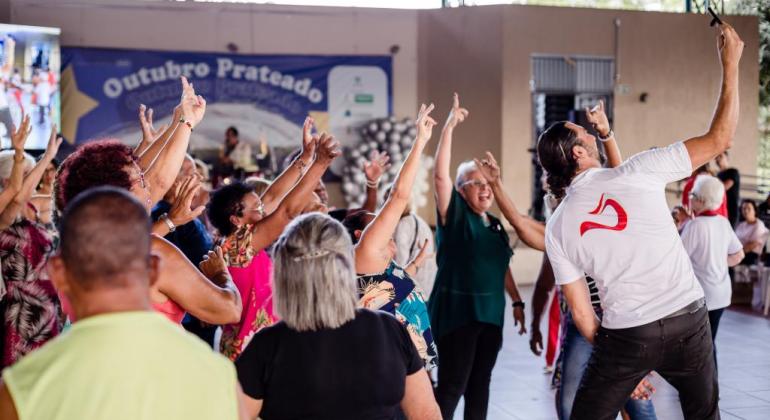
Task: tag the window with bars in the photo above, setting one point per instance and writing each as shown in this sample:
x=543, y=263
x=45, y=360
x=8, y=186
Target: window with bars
x=572, y=74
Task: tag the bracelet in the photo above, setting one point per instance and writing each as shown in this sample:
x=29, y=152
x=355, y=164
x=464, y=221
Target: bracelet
x=301, y=163
x=171, y=226
x=518, y=304
x=182, y=120
x=373, y=184
x=610, y=135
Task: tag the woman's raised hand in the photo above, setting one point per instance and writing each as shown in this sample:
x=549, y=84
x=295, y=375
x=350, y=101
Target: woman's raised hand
x=192, y=106
x=20, y=134
x=214, y=266
x=149, y=133
x=377, y=164
x=181, y=212
x=327, y=148
x=456, y=114
x=54, y=141
x=488, y=168
x=425, y=123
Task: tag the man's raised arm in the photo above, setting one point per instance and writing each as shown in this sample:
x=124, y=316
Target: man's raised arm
x=720, y=135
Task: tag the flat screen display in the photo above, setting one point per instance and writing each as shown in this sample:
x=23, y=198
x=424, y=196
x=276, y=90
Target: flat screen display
x=30, y=62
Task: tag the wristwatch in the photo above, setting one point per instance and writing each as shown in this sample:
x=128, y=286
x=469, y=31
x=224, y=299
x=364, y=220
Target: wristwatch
x=171, y=226
x=610, y=135
x=518, y=304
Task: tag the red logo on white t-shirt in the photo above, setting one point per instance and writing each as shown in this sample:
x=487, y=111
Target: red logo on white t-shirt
x=622, y=216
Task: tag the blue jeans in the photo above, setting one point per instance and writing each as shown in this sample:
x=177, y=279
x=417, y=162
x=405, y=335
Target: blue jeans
x=577, y=351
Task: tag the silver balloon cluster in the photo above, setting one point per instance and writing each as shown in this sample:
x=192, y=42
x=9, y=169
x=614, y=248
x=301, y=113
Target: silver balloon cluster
x=384, y=135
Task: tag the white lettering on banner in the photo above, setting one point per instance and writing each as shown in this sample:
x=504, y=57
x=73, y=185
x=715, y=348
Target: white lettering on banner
x=224, y=65
x=173, y=70
x=226, y=69
x=302, y=87
x=143, y=76
x=158, y=74
x=202, y=70
x=315, y=96
x=288, y=82
x=275, y=78
x=112, y=88
x=263, y=71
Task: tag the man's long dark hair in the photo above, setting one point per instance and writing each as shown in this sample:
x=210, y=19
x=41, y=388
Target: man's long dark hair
x=554, y=149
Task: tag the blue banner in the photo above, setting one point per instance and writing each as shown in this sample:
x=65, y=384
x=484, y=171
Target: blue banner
x=266, y=96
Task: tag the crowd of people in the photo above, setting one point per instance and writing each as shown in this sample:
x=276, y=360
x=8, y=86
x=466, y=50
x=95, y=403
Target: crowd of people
x=347, y=313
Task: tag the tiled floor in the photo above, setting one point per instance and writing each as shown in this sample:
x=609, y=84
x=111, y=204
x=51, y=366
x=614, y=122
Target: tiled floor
x=521, y=391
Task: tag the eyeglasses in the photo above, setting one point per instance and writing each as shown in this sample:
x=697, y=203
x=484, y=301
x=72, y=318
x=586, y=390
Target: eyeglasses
x=475, y=183
x=693, y=196
x=259, y=208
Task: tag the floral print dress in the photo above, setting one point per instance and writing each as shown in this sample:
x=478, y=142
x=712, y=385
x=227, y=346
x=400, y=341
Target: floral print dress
x=31, y=312
x=252, y=274
x=393, y=291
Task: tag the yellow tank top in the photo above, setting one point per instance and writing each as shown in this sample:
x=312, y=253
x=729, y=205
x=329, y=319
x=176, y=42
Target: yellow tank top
x=123, y=366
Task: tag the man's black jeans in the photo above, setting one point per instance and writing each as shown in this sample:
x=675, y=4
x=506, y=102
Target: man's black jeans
x=680, y=349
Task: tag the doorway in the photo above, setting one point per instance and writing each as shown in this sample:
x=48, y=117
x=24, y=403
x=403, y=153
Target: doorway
x=562, y=87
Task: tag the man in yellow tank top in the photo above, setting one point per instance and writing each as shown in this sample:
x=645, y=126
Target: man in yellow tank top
x=120, y=360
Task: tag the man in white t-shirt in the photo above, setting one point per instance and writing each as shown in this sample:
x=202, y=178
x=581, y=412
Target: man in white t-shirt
x=614, y=225
x=712, y=246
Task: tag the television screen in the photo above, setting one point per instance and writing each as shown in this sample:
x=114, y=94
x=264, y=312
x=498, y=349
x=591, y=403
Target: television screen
x=30, y=62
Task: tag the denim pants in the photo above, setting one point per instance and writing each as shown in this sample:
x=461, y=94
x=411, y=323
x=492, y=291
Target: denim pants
x=577, y=352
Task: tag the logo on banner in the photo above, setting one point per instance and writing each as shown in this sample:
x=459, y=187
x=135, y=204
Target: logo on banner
x=599, y=210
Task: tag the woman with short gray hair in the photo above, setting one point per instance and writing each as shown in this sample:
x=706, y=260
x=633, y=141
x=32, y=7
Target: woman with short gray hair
x=325, y=358
x=313, y=268
x=467, y=304
x=712, y=246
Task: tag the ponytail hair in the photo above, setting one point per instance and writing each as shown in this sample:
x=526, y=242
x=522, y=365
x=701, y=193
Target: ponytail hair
x=554, y=150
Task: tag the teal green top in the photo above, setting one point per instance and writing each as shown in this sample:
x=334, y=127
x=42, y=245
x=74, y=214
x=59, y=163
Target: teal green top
x=472, y=258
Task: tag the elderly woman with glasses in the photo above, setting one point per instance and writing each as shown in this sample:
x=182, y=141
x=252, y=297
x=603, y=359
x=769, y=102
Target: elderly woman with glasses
x=249, y=224
x=148, y=172
x=467, y=304
x=326, y=358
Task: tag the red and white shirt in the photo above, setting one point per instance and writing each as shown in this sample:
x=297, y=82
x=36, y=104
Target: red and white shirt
x=615, y=226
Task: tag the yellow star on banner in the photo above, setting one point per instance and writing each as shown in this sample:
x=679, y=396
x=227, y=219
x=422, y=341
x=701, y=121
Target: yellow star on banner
x=75, y=104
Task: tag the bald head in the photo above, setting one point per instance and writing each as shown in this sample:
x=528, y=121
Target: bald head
x=105, y=238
